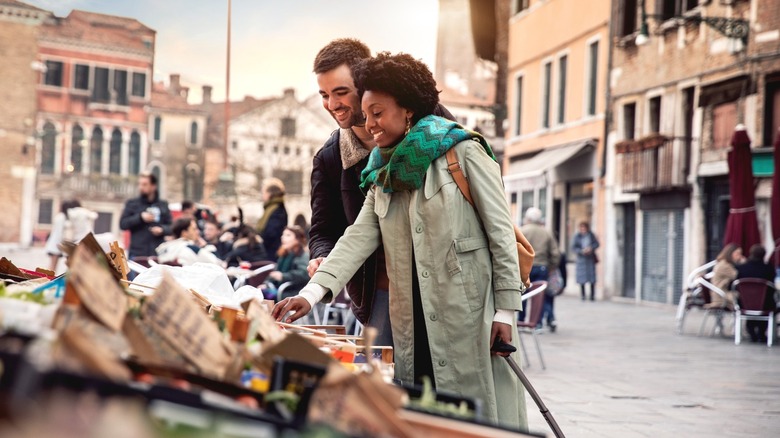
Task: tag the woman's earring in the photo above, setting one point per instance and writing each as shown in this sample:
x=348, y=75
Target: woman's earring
x=408, y=126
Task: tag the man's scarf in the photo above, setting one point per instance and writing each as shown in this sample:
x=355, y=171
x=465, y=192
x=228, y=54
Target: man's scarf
x=403, y=166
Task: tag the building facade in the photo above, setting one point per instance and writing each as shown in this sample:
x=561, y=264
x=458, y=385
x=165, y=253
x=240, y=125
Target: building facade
x=177, y=132
x=91, y=121
x=19, y=27
x=557, y=82
x=685, y=73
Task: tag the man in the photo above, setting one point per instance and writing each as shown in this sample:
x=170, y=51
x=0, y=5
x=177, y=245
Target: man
x=336, y=198
x=546, y=257
x=147, y=217
x=188, y=208
x=187, y=247
x=222, y=242
x=755, y=267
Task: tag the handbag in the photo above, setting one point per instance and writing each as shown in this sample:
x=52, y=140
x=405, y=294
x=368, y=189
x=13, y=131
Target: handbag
x=525, y=252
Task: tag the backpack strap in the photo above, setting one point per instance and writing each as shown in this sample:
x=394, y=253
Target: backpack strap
x=453, y=167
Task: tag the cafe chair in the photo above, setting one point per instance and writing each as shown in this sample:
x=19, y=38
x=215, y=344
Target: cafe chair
x=533, y=296
x=693, y=295
x=751, y=304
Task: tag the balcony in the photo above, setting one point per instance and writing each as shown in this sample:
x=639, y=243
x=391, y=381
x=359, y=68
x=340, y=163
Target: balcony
x=653, y=164
x=101, y=186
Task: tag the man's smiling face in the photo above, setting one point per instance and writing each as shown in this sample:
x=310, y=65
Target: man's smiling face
x=339, y=96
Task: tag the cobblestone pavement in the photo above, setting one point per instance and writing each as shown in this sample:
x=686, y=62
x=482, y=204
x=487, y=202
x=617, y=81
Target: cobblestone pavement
x=620, y=370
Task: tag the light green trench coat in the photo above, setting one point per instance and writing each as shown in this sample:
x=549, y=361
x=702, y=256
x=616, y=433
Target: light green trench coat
x=467, y=268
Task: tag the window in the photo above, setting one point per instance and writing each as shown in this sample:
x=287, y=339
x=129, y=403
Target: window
x=234, y=145
x=157, y=128
x=260, y=147
x=671, y=8
x=546, y=100
x=77, y=148
x=526, y=200
x=134, y=154
x=627, y=22
x=53, y=75
x=562, y=66
x=629, y=121
x=771, y=110
x=45, y=211
x=194, y=133
x=288, y=127
x=521, y=5
x=120, y=87
x=292, y=179
x=724, y=119
x=519, y=106
x=115, y=152
x=275, y=149
x=542, y=204
x=96, y=150
x=192, y=182
x=139, y=85
x=81, y=77
x=48, y=147
x=100, y=91
x=593, y=76
x=655, y=114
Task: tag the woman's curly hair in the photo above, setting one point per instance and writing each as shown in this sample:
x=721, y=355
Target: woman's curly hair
x=408, y=80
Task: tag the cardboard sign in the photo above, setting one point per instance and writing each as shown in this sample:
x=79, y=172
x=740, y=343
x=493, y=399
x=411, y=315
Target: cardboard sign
x=95, y=357
x=176, y=318
x=96, y=288
x=92, y=246
x=118, y=259
x=262, y=323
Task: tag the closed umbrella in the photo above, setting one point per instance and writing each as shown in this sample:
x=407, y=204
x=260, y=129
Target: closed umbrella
x=742, y=223
x=776, y=200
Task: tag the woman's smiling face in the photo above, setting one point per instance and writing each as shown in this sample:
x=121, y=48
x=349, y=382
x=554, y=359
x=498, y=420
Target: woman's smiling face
x=385, y=119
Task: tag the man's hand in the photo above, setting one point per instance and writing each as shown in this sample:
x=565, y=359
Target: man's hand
x=156, y=230
x=147, y=217
x=298, y=305
x=500, y=330
x=314, y=264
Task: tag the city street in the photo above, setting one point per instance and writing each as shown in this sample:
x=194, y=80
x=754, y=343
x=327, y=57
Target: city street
x=619, y=370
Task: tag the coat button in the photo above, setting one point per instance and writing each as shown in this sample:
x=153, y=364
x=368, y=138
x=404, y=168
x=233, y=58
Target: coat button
x=442, y=363
x=434, y=317
x=419, y=228
x=425, y=274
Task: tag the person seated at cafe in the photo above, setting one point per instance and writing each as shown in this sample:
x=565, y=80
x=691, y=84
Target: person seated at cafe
x=221, y=243
x=293, y=258
x=248, y=247
x=755, y=267
x=187, y=247
x=724, y=273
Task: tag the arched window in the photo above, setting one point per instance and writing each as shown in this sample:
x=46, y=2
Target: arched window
x=134, y=154
x=76, y=148
x=96, y=150
x=157, y=134
x=192, y=182
x=194, y=133
x=48, y=145
x=115, y=152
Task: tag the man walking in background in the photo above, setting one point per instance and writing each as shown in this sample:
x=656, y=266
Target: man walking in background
x=147, y=217
x=546, y=258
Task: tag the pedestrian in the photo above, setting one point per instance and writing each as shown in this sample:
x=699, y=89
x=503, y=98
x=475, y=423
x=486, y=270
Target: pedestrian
x=756, y=267
x=71, y=224
x=187, y=247
x=274, y=219
x=293, y=258
x=453, y=269
x=584, y=245
x=546, y=259
x=147, y=217
x=336, y=198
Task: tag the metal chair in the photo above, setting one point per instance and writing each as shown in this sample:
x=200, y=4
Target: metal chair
x=751, y=306
x=535, y=296
x=341, y=307
x=718, y=311
x=692, y=294
x=257, y=274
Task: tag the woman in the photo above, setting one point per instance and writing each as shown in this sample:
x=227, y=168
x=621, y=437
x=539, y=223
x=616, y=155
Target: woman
x=248, y=247
x=274, y=219
x=71, y=224
x=584, y=245
x=723, y=274
x=292, y=262
x=454, y=287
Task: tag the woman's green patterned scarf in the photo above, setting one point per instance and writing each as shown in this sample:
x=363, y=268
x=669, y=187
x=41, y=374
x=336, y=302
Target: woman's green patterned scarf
x=403, y=166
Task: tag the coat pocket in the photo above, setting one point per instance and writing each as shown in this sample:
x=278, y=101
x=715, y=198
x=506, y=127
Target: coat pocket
x=381, y=203
x=466, y=252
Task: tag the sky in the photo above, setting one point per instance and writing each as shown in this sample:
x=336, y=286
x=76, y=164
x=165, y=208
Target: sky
x=274, y=42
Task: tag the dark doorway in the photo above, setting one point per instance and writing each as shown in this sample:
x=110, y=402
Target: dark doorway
x=716, y=211
x=627, y=248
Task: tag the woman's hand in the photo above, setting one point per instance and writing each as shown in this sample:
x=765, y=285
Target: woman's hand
x=498, y=330
x=276, y=276
x=298, y=305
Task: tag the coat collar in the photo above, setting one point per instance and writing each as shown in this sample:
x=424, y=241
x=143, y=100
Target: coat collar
x=352, y=151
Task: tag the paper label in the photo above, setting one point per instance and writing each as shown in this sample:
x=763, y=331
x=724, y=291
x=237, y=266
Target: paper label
x=96, y=288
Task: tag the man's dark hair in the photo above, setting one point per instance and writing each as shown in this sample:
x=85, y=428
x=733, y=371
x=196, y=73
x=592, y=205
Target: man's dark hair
x=186, y=205
x=408, y=80
x=180, y=225
x=341, y=51
x=150, y=176
x=757, y=252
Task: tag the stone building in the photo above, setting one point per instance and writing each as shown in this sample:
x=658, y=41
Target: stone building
x=685, y=73
x=91, y=120
x=19, y=27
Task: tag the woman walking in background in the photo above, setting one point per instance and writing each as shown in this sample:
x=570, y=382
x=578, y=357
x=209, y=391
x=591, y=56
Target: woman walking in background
x=71, y=224
x=584, y=245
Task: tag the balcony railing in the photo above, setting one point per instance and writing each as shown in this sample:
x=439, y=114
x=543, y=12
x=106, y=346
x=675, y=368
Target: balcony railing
x=653, y=164
x=101, y=186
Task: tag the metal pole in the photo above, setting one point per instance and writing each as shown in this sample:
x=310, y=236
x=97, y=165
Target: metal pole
x=227, y=94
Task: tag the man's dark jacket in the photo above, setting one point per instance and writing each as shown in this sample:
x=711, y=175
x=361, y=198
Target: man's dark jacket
x=142, y=241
